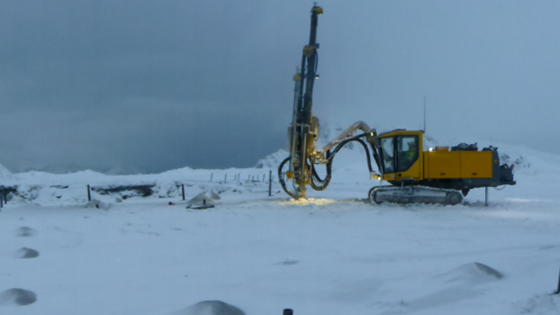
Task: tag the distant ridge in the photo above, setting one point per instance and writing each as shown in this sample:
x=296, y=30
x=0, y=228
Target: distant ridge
x=4, y=172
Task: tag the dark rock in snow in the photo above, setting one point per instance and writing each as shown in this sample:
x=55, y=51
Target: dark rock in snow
x=27, y=253
x=17, y=297
x=127, y=190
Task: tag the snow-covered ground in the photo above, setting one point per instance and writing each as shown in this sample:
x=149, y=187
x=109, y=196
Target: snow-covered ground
x=332, y=254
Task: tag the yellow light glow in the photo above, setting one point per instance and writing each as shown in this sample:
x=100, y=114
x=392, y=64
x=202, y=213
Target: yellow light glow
x=308, y=201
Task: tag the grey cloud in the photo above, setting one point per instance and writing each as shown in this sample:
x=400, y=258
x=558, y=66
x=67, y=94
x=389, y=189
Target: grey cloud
x=152, y=85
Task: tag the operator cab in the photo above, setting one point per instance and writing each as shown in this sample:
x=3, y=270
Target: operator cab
x=400, y=152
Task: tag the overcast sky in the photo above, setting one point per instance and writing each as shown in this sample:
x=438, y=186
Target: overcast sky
x=147, y=86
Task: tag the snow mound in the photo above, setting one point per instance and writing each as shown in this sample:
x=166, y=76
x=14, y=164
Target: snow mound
x=25, y=253
x=210, y=308
x=472, y=273
x=201, y=201
x=15, y=297
x=463, y=282
x=94, y=203
x=215, y=196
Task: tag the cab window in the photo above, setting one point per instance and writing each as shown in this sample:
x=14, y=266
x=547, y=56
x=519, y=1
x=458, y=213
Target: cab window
x=387, y=154
x=407, y=152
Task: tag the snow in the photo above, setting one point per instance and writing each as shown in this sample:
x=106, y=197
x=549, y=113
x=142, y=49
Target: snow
x=4, y=173
x=330, y=254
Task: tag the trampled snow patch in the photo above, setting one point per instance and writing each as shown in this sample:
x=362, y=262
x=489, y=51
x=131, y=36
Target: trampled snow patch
x=540, y=304
x=308, y=201
x=94, y=203
x=25, y=231
x=462, y=283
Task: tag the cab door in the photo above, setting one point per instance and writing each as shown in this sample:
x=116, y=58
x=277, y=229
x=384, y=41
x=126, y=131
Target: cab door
x=407, y=156
x=401, y=157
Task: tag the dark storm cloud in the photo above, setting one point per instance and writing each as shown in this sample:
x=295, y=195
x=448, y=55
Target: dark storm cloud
x=139, y=84
x=152, y=85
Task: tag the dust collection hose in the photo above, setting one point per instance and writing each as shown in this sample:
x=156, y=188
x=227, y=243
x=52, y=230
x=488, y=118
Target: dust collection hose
x=316, y=182
x=281, y=178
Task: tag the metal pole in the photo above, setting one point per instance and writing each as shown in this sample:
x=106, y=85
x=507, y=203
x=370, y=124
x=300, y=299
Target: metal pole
x=88, y=193
x=424, y=113
x=486, y=196
x=183, y=190
x=558, y=290
x=269, y=183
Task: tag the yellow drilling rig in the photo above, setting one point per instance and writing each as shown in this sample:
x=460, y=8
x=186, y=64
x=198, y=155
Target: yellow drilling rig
x=440, y=175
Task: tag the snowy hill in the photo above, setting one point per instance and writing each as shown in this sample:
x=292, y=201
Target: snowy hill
x=350, y=165
x=4, y=172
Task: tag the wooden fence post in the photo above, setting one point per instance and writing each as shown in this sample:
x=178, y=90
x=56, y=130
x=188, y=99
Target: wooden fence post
x=270, y=183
